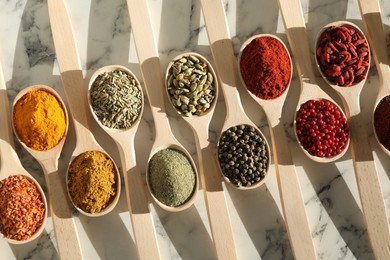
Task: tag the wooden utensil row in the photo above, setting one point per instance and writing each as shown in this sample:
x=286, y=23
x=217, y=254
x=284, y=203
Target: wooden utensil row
x=290, y=190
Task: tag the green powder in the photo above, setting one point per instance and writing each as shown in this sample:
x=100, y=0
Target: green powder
x=171, y=177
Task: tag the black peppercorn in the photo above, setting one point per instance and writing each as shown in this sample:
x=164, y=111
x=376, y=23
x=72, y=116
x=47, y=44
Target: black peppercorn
x=243, y=155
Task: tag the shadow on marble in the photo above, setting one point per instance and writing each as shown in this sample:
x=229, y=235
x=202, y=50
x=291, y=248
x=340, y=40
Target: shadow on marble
x=341, y=207
x=187, y=233
x=109, y=235
x=41, y=248
x=263, y=222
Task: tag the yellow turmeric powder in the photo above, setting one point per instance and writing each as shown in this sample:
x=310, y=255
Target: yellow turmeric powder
x=39, y=120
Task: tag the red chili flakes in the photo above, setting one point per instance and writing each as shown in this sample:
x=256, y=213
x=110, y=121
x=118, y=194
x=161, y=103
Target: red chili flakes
x=22, y=209
x=343, y=55
x=322, y=128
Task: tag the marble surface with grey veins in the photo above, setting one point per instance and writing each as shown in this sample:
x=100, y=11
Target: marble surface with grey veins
x=104, y=36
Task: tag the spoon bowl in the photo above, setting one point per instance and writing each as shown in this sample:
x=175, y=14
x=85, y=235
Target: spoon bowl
x=117, y=187
x=193, y=91
x=362, y=68
x=277, y=99
x=133, y=125
x=192, y=198
x=382, y=99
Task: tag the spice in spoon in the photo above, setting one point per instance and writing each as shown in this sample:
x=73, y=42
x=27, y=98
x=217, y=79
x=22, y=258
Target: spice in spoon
x=343, y=55
x=191, y=85
x=39, y=120
x=322, y=128
x=243, y=155
x=92, y=182
x=116, y=99
x=382, y=122
x=265, y=67
x=171, y=177
x=22, y=209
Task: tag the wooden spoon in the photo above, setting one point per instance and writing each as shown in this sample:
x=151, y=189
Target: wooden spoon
x=141, y=217
x=60, y=207
x=367, y=178
x=223, y=54
x=372, y=19
x=296, y=33
x=218, y=212
x=10, y=164
x=289, y=187
x=76, y=93
x=153, y=80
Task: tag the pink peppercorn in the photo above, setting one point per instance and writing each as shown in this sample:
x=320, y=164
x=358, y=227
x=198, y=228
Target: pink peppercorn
x=321, y=128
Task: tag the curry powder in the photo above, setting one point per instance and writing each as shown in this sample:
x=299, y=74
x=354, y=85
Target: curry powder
x=92, y=181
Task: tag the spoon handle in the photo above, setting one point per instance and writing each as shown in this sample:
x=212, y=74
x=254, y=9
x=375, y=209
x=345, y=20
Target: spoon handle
x=291, y=196
x=141, y=217
x=369, y=187
x=223, y=54
x=60, y=209
x=69, y=64
x=371, y=14
x=150, y=63
x=217, y=209
x=5, y=125
x=294, y=24
x=12, y=164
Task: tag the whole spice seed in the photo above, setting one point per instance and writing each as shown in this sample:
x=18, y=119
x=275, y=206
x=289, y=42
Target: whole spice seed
x=171, y=177
x=265, y=67
x=116, y=99
x=92, y=182
x=191, y=85
x=243, y=155
x=321, y=128
x=343, y=55
x=22, y=210
x=39, y=120
x=382, y=122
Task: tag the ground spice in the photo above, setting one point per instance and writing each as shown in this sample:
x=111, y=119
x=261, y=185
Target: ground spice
x=92, y=181
x=382, y=122
x=243, y=155
x=171, y=177
x=39, y=120
x=265, y=67
x=22, y=210
x=322, y=128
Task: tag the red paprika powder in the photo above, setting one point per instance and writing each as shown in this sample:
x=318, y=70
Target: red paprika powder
x=265, y=67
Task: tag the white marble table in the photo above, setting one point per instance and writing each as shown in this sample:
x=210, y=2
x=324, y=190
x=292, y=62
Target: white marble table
x=104, y=36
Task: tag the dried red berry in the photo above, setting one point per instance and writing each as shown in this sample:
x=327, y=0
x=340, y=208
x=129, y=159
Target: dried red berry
x=344, y=48
x=321, y=128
